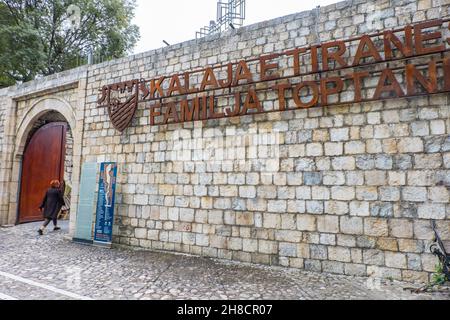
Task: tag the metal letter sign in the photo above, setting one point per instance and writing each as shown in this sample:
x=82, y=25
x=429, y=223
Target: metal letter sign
x=328, y=74
x=105, y=204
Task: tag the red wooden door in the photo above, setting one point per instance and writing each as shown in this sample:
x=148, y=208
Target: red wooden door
x=43, y=161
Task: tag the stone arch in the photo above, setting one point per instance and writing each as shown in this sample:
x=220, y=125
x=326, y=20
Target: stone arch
x=25, y=126
x=38, y=109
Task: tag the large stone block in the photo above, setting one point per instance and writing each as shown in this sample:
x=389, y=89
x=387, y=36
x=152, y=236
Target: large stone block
x=408, y=245
x=410, y=145
x=336, y=207
x=318, y=252
x=267, y=247
x=296, y=206
x=344, y=240
x=313, y=265
x=344, y=163
x=420, y=128
x=382, y=209
x=355, y=147
x=341, y=134
x=358, y=270
x=306, y=222
x=335, y=178
x=366, y=193
x=439, y=194
x=333, y=267
x=271, y=221
x=401, y=228
x=396, y=178
x=376, y=227
x=421, y=178
x=314, y=150
x=343, y=193
x=329, y=224
x=359, y=208
x=414, y=194
x=423, y=230
x=312, y=178
x=334, y=148
x=414, y=261
x=140, y=233
x=314, y=207
x=279, y=206
x=375, y=178
x=427, y=161
x=429, y=262
x=339, y=254
x=247, y=192
x=351, y=225
x=387, y=244
x=431, y=211
x=245, y=218
x=288, y=249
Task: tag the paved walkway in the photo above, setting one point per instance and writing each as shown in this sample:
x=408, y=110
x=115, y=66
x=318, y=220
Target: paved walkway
x=51, y=267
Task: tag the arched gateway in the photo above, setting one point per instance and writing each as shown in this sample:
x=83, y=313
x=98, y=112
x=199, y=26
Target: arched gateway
x=45, y=149
x=43, y=160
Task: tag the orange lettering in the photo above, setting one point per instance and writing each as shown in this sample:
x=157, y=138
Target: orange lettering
x=190, y=114
x=447, y=74
x=315, y=94
x=209, y=79
x=212, y=112
x=281, y=88
x=155, y=86
x=227, y=83
x=175, y=85
x=242, y=73
x=413, y=74
x=171, y=113
x=382, y=87
x=296, y=54
x=371, y=51
x=154, y=113
x=357, y=77
x=326, y=92
x=390, y=38
x=266, y=67
x=420, y=37
x=251, y=102
x=336, y=55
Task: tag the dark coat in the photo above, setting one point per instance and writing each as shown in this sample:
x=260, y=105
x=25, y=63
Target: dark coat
x=52, y=203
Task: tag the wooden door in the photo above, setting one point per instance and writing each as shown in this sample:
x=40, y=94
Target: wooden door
x=43, y=161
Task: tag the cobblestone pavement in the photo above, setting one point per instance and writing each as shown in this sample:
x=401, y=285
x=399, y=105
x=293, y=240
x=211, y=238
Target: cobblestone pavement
x=52, y=267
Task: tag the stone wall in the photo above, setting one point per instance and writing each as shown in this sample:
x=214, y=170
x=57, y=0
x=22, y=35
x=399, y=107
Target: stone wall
x=4, y=165
x=3, y=115
x=2, y=121
x=355, y=187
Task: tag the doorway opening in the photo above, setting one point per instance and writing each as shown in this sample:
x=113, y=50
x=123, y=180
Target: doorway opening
x=47, y=156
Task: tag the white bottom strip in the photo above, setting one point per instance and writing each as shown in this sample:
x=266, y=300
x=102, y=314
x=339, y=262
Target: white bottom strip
x=44, y=286
x=6, y=297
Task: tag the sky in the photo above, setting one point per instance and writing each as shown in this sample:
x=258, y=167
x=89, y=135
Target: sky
x=178, y=20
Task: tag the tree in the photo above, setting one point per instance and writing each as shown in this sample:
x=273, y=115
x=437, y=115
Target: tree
x=42, y=37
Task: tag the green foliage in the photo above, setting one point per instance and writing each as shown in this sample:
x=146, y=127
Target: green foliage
x=439, y=277
x=38, y=38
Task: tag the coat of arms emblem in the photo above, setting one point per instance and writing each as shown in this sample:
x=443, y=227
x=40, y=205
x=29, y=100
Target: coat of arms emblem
x=121, y=101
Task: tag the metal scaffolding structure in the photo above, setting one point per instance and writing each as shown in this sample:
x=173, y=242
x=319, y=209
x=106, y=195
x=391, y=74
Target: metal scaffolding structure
x=230, y=15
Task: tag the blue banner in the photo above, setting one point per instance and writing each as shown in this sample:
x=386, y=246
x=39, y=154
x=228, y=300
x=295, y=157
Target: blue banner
x=105, y=203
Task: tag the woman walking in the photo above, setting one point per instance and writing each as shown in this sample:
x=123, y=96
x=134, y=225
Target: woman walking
x=51, y=205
